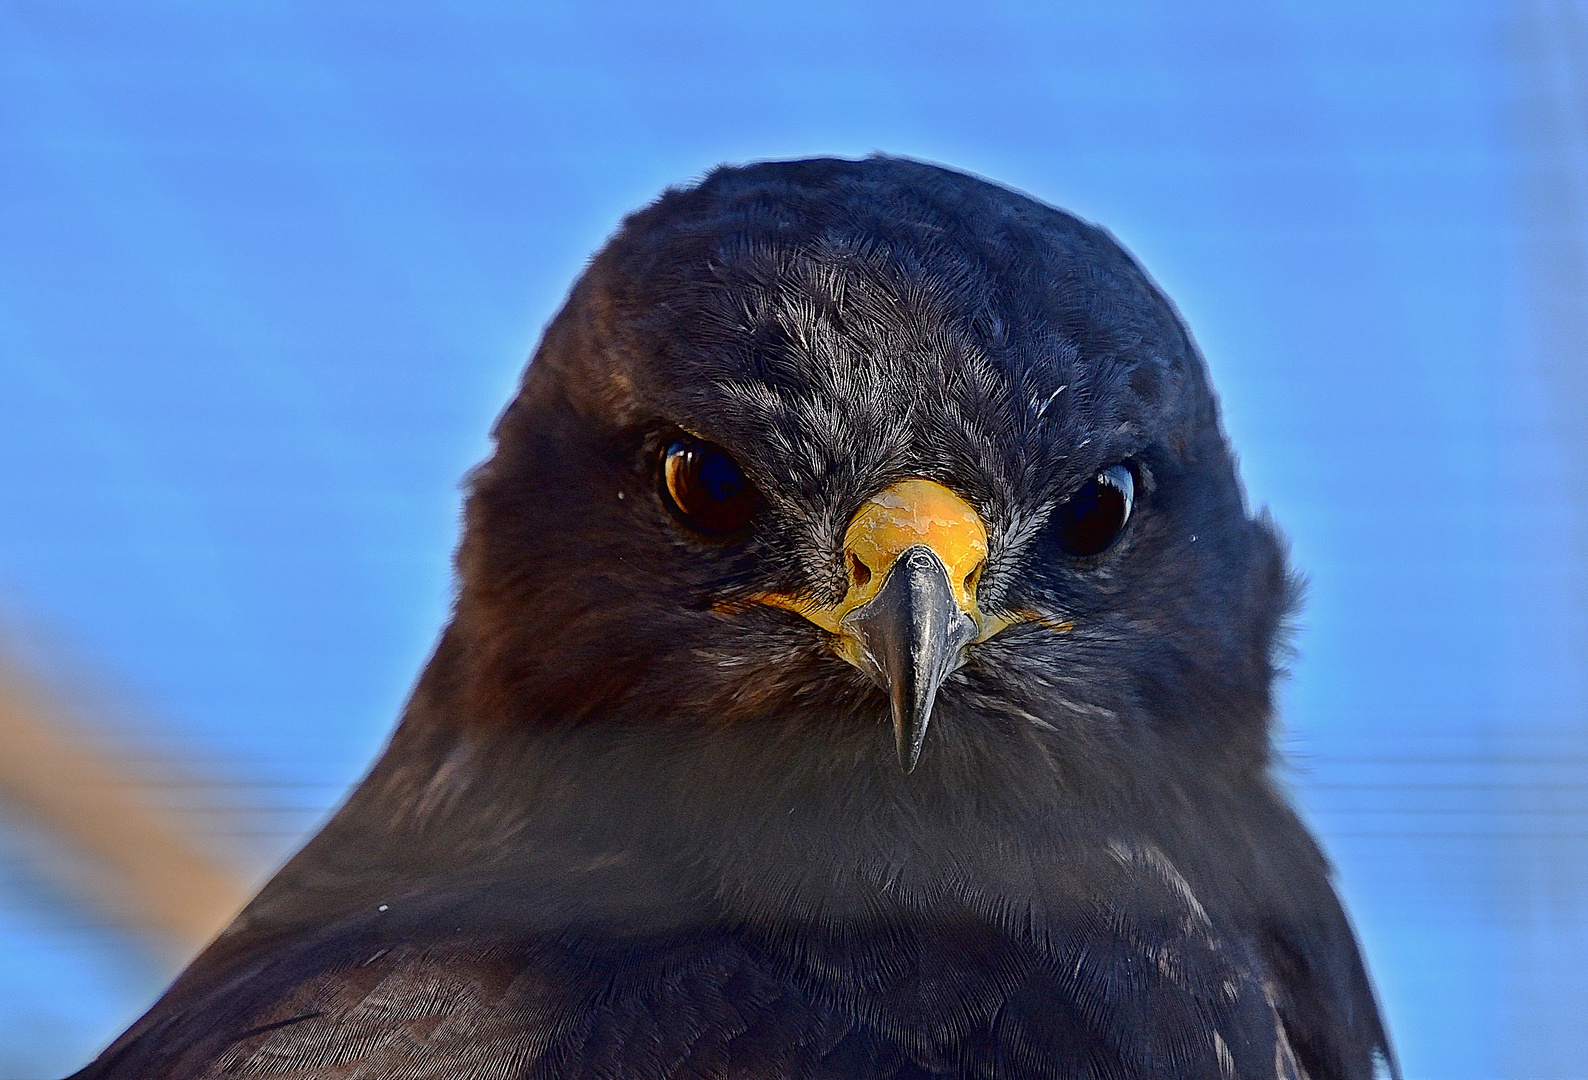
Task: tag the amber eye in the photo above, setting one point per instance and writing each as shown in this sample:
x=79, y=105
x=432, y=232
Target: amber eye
x=705, y=487
x=1088, y=522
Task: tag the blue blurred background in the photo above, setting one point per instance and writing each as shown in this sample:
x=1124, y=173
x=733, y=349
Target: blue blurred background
x=268, y=271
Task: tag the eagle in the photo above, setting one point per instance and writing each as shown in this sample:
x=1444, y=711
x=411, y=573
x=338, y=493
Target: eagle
x=861, y=666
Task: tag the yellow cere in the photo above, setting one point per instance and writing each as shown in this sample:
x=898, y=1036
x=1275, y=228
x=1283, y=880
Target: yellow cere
x=910, y=513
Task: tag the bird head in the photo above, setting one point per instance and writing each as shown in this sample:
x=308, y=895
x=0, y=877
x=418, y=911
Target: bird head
x=852, y=458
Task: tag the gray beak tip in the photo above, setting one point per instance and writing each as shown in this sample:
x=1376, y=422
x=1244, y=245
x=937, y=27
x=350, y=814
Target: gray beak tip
x=913, y=633
x=909, y=738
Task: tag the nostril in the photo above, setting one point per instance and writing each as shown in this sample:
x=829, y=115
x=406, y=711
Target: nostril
x=858, y=571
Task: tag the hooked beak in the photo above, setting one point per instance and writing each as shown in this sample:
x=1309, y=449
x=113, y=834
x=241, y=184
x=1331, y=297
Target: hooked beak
x=911, y=636
x=913, y=554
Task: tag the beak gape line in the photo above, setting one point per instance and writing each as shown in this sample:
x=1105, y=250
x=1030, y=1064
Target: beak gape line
x=914, y=554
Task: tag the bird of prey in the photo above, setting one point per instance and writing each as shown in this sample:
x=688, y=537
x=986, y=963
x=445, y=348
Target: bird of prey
x=861, y=667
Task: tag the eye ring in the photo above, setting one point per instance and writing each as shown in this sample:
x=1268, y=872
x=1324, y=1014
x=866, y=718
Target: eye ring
x=704, y=487
x=1091, y=521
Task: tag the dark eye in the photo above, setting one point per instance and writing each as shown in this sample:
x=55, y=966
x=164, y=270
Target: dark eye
x=1091, y=520
x=705, y=487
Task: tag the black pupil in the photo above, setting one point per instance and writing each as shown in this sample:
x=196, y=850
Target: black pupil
x=720, y=478
x=1092, y=518
x=706, y=488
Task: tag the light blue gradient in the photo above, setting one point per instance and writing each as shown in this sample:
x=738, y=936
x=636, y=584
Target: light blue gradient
x=268, y=271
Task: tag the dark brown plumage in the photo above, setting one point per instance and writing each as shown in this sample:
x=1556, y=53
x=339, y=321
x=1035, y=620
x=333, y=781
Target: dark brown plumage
x=645, y=816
